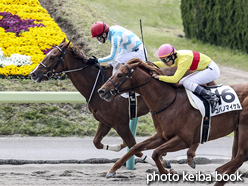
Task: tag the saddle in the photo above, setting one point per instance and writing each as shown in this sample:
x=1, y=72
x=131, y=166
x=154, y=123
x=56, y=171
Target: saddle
x=228, y=101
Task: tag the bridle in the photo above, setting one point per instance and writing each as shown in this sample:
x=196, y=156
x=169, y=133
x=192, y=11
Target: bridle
x=51, y=72
x=116, y=90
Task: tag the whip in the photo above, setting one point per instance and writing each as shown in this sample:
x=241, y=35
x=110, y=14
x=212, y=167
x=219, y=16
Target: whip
x=143, y=39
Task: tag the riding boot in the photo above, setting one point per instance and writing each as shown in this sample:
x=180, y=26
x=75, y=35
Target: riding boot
x=208, y=95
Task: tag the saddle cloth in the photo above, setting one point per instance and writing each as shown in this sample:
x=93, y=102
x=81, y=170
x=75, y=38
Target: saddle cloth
x=228, y=101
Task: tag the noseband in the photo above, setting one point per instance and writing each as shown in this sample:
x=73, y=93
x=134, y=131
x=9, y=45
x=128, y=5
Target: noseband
x=116, y=90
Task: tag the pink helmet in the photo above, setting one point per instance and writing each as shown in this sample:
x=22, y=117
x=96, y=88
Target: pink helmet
x=166, y=50
x=98, y=28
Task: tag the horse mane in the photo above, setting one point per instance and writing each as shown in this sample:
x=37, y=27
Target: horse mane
x=77, y=52
x=74, y=49
x=148, y=69
x=145, y=67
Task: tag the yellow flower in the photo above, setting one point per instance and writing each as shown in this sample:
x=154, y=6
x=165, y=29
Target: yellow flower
x=32, y=42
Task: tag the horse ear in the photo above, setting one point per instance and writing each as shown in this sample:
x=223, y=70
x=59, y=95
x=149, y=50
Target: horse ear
x=67, y=44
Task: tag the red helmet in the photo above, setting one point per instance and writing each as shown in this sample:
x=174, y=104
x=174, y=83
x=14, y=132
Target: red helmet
x=98, y=28
x=166, y=50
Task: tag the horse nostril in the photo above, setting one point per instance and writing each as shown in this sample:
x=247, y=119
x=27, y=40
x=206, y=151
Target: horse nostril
x=101, y=91
x=33, y=74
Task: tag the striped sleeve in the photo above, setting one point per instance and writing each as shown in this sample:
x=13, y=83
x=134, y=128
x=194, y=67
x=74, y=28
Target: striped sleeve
x=114, y=50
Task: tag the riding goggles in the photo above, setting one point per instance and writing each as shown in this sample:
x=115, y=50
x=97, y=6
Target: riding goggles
x=99, y=37
x=166, y=60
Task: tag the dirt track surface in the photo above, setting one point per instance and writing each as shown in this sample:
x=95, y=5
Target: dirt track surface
x=94, y=175
x=51, y=161
x=230, y=76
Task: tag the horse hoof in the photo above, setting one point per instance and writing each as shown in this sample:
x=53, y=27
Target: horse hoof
x=110, y=175
x=166, y=164
x=172, y=171
x=193, y=164
x=213, y=175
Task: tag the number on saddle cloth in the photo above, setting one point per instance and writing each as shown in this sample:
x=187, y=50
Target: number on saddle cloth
x=228, y=102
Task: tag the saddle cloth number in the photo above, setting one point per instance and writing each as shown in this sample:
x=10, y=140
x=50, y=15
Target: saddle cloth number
x=228, y=100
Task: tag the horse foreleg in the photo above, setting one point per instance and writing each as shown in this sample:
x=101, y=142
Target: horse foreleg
x=123, y=145
x=150, y=143
x=190, y=157
x=101, y=132
x=174, y=144
x=191, y=154
x=129, y=140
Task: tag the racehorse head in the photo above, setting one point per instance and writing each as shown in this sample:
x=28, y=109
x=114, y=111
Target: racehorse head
x=124, y=79
x=56, y=62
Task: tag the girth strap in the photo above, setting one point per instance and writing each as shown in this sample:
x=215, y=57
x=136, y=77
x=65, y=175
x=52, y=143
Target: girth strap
x=132, y=105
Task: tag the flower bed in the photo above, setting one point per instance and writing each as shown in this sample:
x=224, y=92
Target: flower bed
x=27, y=32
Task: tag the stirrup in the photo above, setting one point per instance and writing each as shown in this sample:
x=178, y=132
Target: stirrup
x=213, y=105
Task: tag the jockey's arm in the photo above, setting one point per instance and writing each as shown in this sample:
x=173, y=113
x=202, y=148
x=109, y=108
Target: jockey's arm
x=114, y=51
x=180, y=72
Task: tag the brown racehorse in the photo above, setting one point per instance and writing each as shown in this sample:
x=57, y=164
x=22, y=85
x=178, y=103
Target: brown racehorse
x=178, y=126
x=112, y=114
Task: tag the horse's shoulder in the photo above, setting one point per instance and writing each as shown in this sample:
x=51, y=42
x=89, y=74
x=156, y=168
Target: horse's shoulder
x=107, y=70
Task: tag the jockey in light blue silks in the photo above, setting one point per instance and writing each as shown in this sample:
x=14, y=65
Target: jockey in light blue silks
x=125, y=45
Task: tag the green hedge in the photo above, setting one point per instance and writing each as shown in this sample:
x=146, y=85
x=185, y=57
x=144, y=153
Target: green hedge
x=220, y=22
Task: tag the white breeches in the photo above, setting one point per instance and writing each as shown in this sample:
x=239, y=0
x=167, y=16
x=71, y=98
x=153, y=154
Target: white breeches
x=123, y=58
x=211, y=73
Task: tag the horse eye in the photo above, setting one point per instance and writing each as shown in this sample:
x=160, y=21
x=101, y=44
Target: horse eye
x=52, y=57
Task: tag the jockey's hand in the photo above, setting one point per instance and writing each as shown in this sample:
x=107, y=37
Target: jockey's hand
x=92, y=60
x=149, y=63
x=154, y=75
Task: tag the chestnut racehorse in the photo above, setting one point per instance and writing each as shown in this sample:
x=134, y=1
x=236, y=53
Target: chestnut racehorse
x=114, y=114
x=178, y=125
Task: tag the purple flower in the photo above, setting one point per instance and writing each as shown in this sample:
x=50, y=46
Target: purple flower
x=47, y=50
x=13, y=23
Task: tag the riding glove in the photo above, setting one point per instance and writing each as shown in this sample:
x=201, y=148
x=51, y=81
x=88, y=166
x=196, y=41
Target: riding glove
x=92, y=60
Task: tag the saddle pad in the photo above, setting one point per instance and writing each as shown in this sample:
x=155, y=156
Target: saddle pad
x=228, y=101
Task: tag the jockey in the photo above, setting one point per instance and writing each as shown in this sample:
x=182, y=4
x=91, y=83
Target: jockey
x=125, y=45
x=206, y=68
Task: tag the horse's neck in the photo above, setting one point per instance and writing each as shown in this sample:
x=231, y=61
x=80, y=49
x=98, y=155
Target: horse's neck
x=84, y=81
x=156, y=94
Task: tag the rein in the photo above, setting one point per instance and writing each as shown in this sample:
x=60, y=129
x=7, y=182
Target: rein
x=116, y=90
